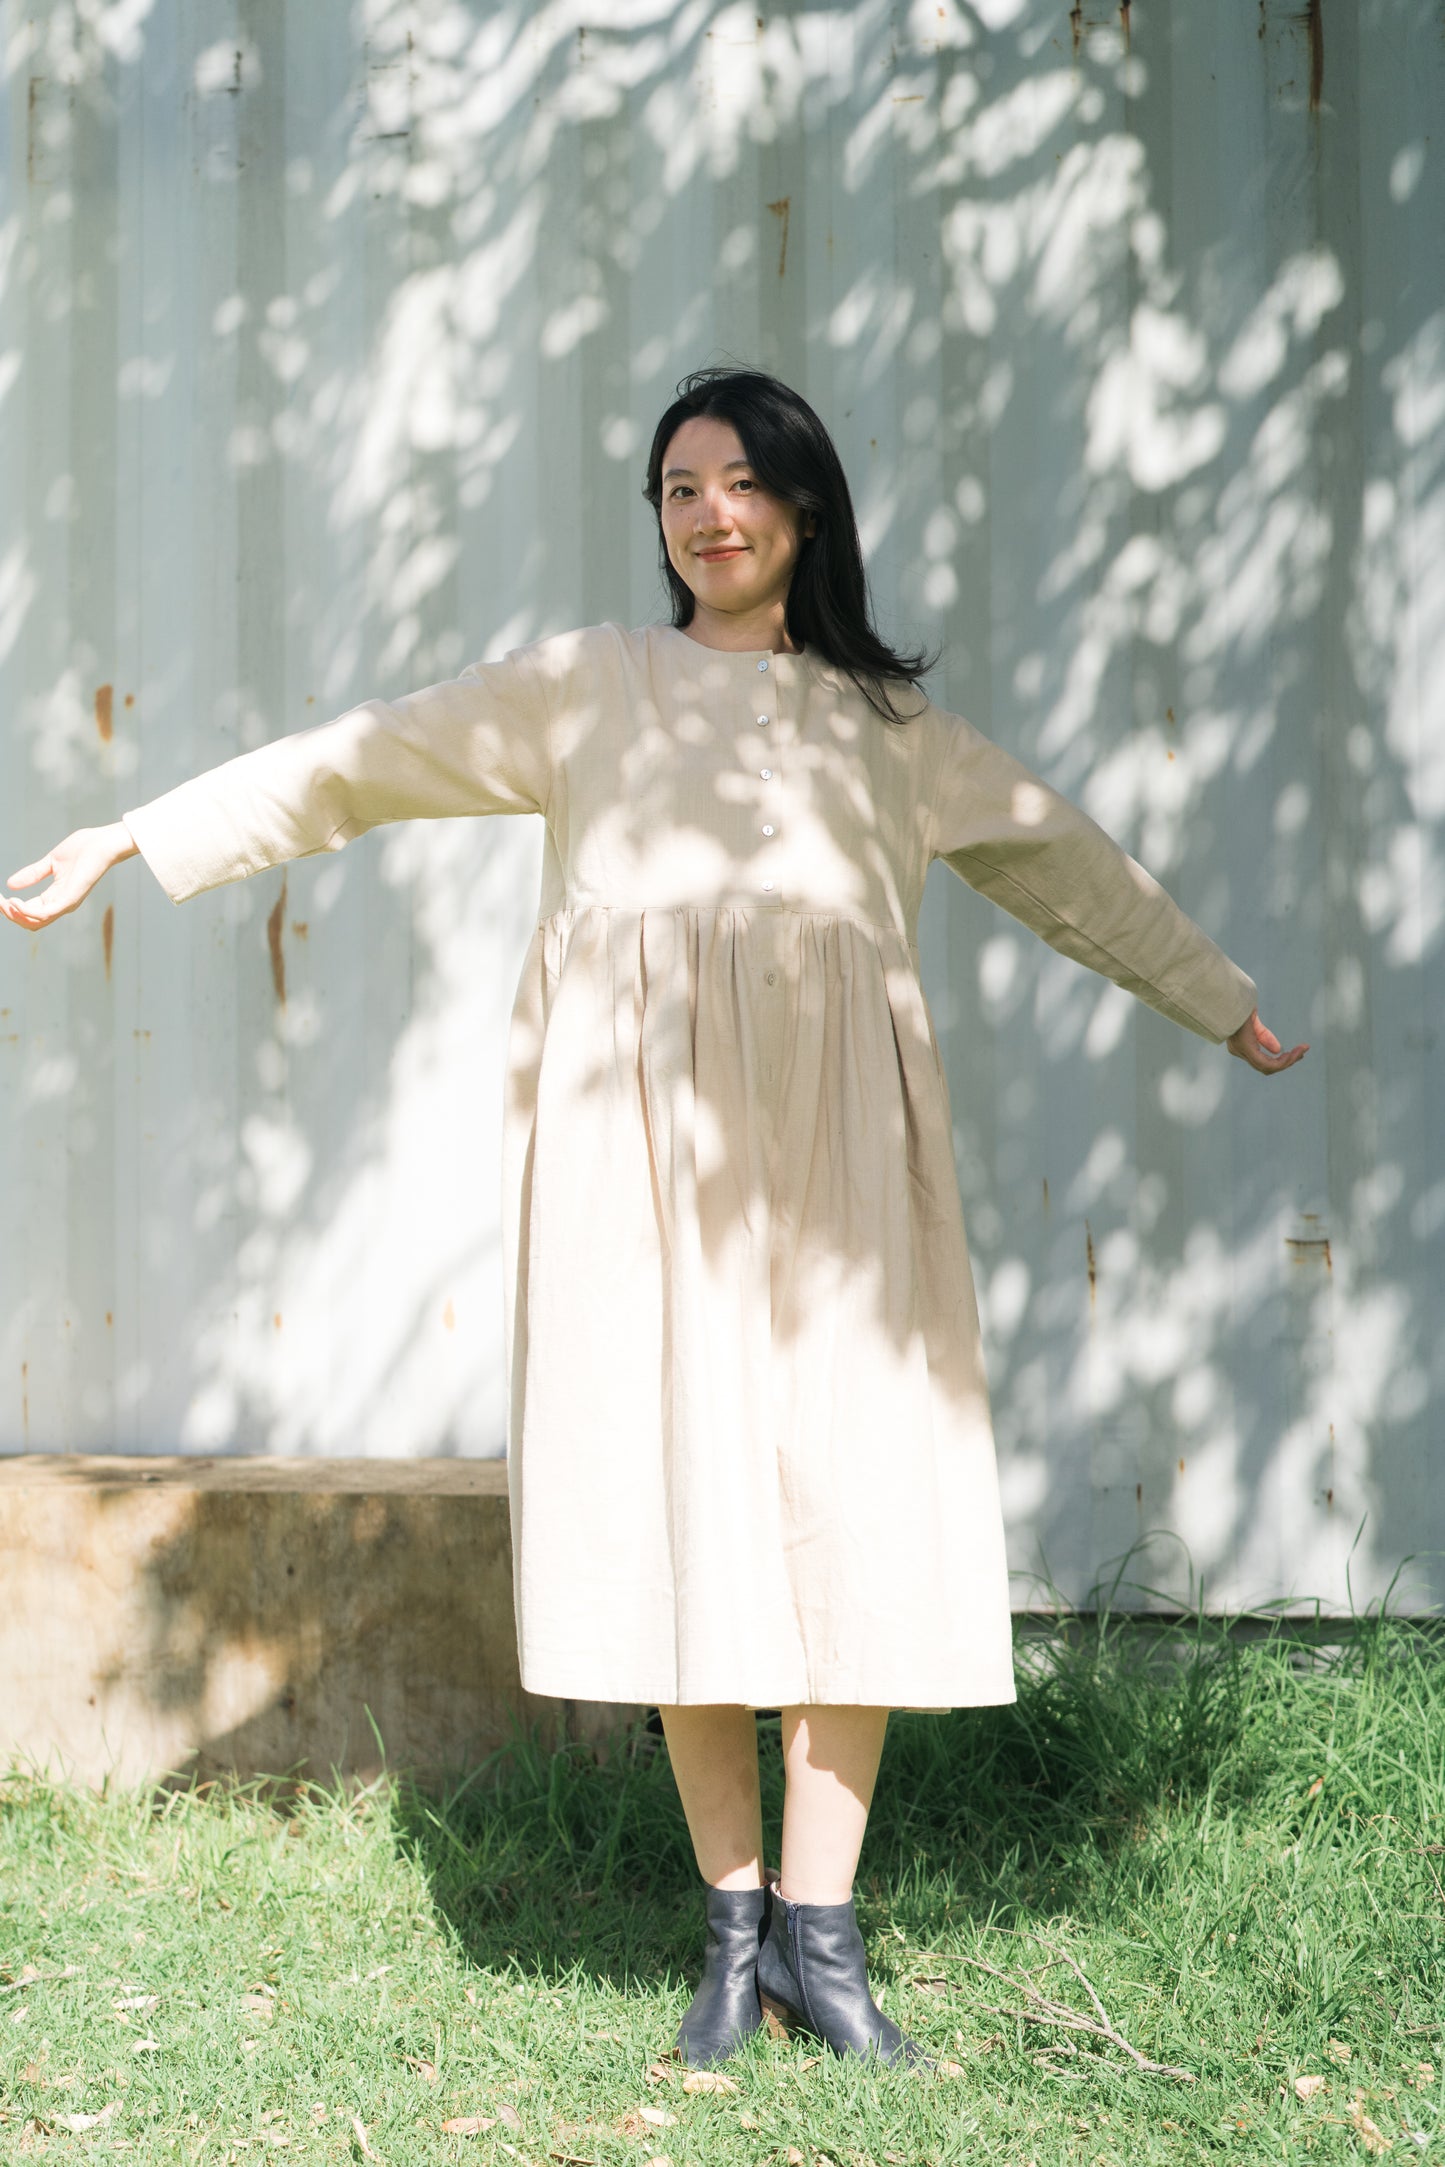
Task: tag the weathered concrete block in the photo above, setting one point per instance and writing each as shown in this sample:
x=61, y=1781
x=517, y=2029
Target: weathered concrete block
x=192, y=1616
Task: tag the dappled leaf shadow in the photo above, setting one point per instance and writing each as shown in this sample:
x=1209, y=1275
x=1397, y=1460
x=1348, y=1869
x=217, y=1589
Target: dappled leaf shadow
x=1139, y=425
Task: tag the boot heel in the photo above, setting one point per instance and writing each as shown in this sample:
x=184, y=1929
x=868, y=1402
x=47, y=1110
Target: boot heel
x=778, y=2017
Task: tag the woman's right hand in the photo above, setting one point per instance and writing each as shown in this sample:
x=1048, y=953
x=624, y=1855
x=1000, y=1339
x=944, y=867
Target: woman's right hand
x=73, y=868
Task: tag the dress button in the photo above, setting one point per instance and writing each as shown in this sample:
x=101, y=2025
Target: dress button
x=767, y=827
x=762, y=665
x=762, y=722
x=766, y=773
x=771, y=977
x=767, y=887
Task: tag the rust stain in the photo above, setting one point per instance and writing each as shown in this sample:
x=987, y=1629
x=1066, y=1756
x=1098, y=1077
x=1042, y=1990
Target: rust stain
x=110, y=1316
x=107, y=935
x=1046, y=1192
x=1181, y=1467
x=1076, y=26
x=449, y=1316
x=1138, y=1493
x=782, y=210
x=105, y=712
x=1315, y=1249
x=274, y=927
x=276, y=1321
x=1329, y=1497
x=1314, y=24
x=1124, y=22
x=31, y=102
x=130, y=699
x=301, y=927
x=1089, y=1253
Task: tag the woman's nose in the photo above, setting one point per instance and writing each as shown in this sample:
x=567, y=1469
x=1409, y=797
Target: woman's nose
x=711, y=511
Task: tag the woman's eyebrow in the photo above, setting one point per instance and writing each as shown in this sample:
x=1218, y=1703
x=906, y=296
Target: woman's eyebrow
x=690, y=473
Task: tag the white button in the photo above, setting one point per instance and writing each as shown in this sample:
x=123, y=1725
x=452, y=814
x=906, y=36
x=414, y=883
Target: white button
x=762, y=722
x=767, y=887
x=762, y=665
x=767, y=828
x=771, y=977
x=766, y=773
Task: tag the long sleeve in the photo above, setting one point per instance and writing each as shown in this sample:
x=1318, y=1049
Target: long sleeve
x=1008, y=834
x=476, y=744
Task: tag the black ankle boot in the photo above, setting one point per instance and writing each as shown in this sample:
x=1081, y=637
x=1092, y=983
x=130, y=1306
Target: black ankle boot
x=725, y=2010
x=813, y=1976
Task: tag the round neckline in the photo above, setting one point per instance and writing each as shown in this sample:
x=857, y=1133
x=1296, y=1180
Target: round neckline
x=772, y=655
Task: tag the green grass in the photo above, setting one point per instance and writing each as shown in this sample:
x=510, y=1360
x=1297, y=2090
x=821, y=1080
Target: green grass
x=1238, y=1843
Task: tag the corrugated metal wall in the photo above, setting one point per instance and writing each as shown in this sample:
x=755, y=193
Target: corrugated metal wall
x=330, y=339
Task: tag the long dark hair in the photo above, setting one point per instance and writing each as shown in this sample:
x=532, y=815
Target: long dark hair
x=794, y=457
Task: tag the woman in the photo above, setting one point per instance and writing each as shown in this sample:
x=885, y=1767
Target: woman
x=750, y=1458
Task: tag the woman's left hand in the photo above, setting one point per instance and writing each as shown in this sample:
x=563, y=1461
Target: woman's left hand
x=1255, y=1043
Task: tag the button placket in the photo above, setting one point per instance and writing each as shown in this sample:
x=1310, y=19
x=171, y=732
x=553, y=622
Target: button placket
x=763, y=720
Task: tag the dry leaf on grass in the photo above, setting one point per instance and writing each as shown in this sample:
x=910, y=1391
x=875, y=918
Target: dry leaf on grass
x=749, y=2121
x=1338, y=2051
x=425, y=2070
x=358, y=2128
x=659, y=2073
x=145, y=2046
x=1424, y=2075
x=88, y=2121
x=467, y=2125
x=470, y=1994
x=137, y=2001
x=1306, y=2087
x=708, y=2080
x=659, y=2159
x=1374, y=2137
x=794, y=2157
x=657, y=2117
x=811, y=2061
x=951, y=2069
x=507, y=2113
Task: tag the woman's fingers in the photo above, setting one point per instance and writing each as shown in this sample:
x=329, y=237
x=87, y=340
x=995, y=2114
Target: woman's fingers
x=1255, y=1043
x=29, y=874
x=75, y=866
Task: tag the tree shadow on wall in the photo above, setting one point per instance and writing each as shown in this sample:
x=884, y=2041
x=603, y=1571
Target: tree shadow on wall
x=1134, y=431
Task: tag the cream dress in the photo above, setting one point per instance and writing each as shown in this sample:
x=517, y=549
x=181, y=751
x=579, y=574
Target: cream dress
x=750, y=1455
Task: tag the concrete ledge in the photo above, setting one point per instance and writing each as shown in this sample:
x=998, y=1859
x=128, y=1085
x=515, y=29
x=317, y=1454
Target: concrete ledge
x=191, y=1617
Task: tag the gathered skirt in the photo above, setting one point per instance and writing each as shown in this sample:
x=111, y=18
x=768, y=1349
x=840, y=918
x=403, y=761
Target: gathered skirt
x=750, y=1453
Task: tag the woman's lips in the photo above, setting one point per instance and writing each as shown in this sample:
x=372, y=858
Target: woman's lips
x=712, y=556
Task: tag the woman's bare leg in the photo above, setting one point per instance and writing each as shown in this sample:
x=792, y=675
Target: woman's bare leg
x=714, y=1755
x=831, y=1757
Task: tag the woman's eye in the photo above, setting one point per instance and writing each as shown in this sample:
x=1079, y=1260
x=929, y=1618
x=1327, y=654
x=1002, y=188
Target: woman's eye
x=744, y=481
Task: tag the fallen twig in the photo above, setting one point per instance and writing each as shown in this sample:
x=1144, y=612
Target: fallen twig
x=38, y=1978
x=1058, y=2013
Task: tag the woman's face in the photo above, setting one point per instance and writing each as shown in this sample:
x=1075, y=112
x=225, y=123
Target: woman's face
x=732, y=542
